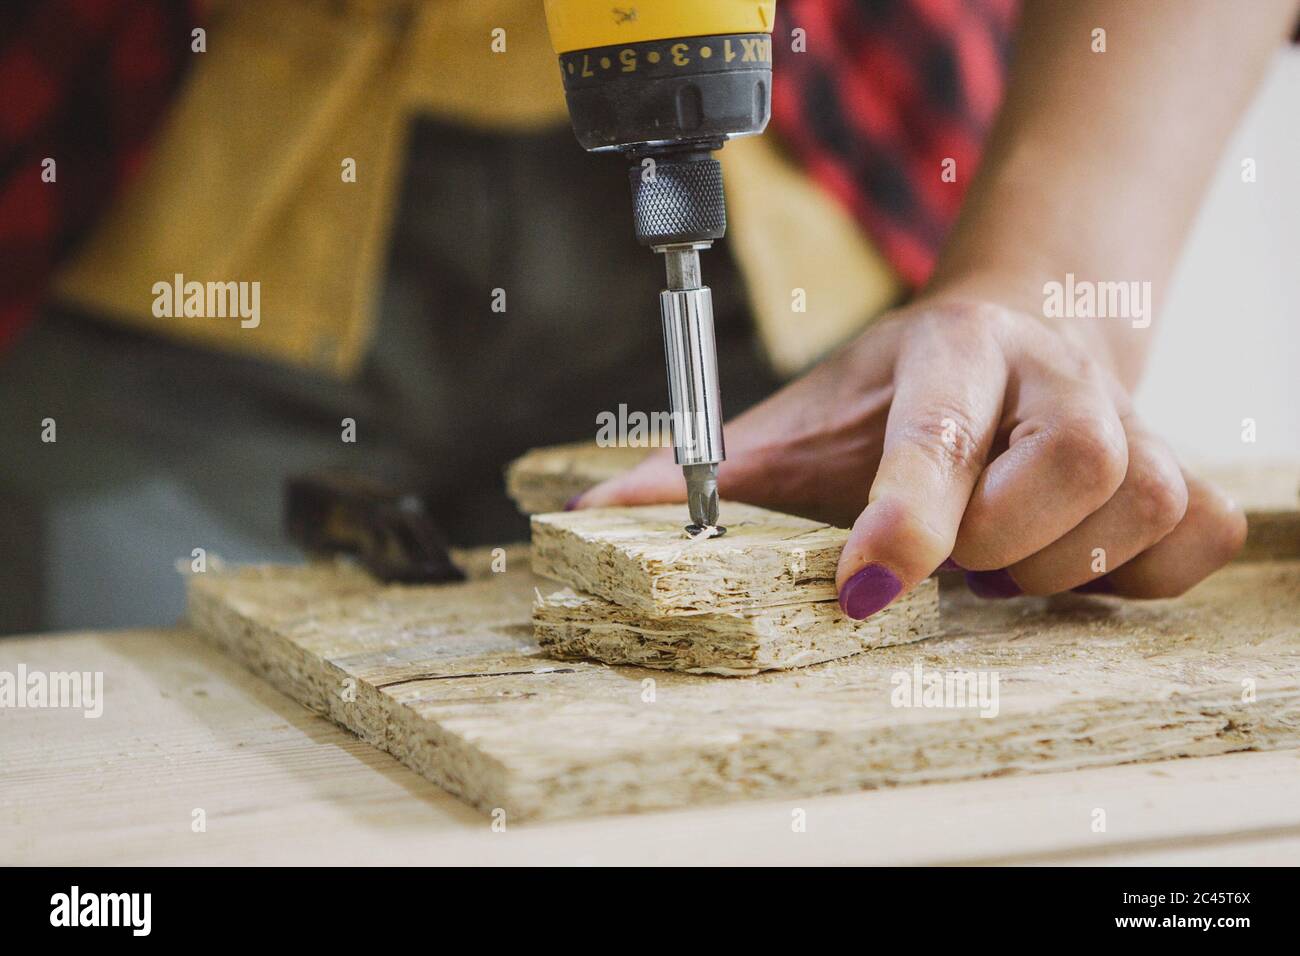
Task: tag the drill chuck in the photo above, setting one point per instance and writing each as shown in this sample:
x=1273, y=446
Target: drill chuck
x=678, y=199
x=691, y=355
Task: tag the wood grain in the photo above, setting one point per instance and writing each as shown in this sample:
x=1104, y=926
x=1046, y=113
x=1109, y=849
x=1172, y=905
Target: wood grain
x=450, y=681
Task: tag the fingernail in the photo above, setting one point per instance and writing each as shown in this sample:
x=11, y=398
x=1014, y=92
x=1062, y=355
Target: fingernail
x=950, y=565
x=1101, y=585
x=868, y=591
x=993, y=585
x=572, y=503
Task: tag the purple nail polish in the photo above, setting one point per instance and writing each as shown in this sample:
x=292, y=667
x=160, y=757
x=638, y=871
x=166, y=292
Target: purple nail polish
x=993, y=585
x=572, y=503
x=1101, y=585
x=868, y=591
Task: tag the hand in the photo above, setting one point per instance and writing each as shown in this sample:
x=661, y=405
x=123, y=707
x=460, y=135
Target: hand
x=975, y=432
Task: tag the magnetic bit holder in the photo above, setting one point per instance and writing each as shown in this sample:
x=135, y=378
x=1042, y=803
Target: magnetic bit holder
x=679, y=210
x=388, y=531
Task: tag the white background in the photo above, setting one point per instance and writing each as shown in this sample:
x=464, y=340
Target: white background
x=1228, y=346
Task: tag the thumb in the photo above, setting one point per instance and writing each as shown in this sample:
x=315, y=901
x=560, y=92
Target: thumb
x=658, y=479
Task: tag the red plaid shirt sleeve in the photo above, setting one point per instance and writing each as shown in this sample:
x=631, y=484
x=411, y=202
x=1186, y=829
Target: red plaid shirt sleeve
x=82, y=82
x=885, y=91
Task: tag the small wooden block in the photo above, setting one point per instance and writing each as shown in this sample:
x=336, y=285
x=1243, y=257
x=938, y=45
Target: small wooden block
x=573, y=626
x=1269, y=493
x=642, y=559
x=544, y=479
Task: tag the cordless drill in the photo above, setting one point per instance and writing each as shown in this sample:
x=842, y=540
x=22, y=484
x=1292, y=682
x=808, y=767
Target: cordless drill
x=665, y=83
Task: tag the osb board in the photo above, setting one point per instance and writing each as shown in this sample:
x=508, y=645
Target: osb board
x=760, y=597
x=184, y=726
x=1270, y=494
x=545, y=479
x=449, y=680
x=640, y=558
x=573, y=626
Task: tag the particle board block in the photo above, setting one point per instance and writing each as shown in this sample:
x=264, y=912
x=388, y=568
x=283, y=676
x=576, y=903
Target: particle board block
x=641, y=559
x=573, y=626
x=1270, y=495
x=450, y=680
x=545, y=479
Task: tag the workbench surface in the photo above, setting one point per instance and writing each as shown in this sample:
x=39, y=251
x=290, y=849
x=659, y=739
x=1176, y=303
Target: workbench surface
x=186, y=729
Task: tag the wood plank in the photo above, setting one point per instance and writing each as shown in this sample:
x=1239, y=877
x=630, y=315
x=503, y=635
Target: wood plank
x=545, y=479
x=572, y=626
x=450, y=681
x=641, y=559
x=184, y=727
x=1270, y=495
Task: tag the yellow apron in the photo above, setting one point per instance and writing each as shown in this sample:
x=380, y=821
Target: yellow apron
x=246, y=181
